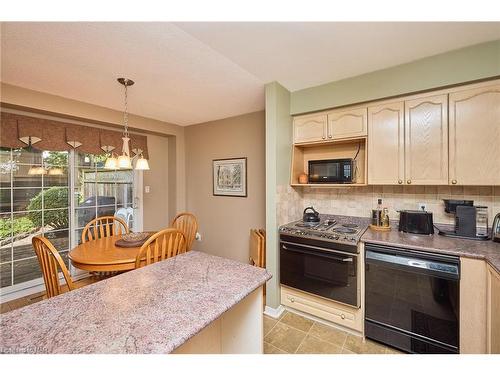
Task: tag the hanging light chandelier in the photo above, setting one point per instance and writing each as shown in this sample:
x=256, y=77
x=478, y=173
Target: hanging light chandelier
x=124, y=161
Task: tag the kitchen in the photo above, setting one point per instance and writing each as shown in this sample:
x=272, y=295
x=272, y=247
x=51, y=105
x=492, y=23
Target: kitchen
x=411, y=282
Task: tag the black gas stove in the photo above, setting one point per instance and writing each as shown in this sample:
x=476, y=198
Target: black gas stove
x=332, y=231
x=322, y=257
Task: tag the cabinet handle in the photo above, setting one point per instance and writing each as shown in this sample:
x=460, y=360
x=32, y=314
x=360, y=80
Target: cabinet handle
x=408, y=182
x=400, y=182
x=323, y=137
x=454, y=182
x=342, y=316
x=329, y=136
x=291, y=299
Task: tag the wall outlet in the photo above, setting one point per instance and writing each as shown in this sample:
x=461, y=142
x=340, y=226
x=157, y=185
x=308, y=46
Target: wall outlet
x=422, y=206
x=147, y=189
x=198, y=236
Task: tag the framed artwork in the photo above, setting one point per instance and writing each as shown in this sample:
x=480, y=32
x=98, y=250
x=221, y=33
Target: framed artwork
x=230, y=177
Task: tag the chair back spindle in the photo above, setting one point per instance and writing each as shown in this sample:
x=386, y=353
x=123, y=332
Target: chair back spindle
x=104, y=226
x=50, y=262
x=165, y=244
x=186, y=222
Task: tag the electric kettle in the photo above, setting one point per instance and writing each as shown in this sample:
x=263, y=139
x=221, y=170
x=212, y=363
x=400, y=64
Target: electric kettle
x=495, y=229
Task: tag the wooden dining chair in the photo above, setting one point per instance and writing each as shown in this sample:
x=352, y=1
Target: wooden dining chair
x=50, y=263
x=104, y=226
x=165, y=244
x=186, y=222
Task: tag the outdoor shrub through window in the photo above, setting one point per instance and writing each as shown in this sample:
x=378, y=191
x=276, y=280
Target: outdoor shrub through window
x=35, y=199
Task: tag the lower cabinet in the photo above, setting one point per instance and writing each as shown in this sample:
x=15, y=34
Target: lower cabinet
x=493, y=312
x=473, y=296
x=334, y=312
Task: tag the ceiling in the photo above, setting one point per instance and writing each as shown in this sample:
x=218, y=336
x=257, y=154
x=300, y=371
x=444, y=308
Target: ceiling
x=188, y=73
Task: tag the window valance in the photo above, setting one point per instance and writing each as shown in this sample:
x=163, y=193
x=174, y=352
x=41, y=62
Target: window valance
x=18, y=131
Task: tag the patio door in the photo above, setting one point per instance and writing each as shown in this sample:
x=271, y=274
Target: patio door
x=55, y=194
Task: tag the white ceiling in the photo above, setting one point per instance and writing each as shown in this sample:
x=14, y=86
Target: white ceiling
x=188, y=73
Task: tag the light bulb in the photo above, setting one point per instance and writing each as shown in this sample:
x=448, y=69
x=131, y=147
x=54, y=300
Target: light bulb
x=142, y=164
x=124, y=162
x=111, y=163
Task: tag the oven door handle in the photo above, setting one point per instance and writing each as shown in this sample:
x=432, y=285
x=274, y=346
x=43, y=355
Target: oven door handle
x=328, y=256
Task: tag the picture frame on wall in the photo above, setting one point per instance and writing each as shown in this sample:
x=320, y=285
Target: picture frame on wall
x=230, y=177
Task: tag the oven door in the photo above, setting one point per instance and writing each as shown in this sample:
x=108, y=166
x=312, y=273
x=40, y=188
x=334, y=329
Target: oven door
x=412, y=300
x=327, y=273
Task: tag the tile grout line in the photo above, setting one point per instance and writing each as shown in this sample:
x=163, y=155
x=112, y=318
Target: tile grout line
x=309, y=330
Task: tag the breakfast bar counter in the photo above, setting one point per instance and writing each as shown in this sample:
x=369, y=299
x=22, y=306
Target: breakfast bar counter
x=193, y=302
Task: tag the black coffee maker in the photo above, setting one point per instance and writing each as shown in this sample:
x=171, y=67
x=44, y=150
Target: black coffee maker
x=466, y=219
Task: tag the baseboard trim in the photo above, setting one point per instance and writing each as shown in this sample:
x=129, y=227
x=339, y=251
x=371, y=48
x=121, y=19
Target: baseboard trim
x=274, y=313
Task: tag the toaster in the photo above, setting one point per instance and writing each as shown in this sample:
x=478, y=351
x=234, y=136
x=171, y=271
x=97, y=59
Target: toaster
x=418, y=222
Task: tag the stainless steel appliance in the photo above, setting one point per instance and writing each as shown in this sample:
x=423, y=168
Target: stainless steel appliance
x=418, y=222
x=495, y=229
x=337, y=171
x=412, y=299
x=470, y=221
x=322, y=258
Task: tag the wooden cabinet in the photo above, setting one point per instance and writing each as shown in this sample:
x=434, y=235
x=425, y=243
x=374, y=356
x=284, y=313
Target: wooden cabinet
x=348, y=123
x=426, y=140
x=475, y=135
x=493, y=311
x=386, y=144
x=473, y=300
x=310, y=128
x=334, y=312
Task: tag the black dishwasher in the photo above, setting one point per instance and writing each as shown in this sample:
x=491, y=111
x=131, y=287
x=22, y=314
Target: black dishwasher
x=412, y=299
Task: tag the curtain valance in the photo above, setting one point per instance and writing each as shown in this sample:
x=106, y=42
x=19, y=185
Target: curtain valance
x=18, y=131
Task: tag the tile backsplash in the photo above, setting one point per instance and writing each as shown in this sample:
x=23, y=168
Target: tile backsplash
x=359, y=201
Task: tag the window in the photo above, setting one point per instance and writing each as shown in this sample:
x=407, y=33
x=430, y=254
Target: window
x=35, y=199
x=100, y=192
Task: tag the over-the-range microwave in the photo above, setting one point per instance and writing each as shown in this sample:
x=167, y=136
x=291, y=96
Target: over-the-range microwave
x=332, y=171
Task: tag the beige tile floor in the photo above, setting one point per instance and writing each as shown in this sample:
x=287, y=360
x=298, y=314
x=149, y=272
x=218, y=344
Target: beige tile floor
x=293, y=333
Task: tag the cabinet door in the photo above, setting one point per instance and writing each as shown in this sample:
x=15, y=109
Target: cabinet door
x=475, y=136
x=426, y=141
x=347, y=123
x=386, y=144
x=493, y=311
x=309, y=128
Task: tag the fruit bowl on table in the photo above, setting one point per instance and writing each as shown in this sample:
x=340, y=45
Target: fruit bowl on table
x=133, y=239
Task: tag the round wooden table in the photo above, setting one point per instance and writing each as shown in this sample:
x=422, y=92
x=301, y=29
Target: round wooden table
x=102, y=255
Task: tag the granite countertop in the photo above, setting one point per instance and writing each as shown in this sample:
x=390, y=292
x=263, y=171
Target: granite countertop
x=487, y=250
x=153, y=309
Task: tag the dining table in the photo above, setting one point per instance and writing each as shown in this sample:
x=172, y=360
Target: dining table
x=102, y=255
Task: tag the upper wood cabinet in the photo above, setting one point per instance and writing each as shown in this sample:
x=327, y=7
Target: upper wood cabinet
x=475, y=135
x=426, y=140
x=348, y=123
x=386, y=144
x=310, y=128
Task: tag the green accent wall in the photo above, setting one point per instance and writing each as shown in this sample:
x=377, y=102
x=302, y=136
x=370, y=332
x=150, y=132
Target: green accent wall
x=278, y=155
x=466, y=64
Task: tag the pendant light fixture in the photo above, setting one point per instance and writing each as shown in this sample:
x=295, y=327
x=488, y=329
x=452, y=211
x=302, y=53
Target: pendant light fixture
x=124, y=161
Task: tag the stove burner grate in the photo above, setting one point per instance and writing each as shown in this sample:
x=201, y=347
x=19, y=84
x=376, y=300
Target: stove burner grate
x=350, y=225
x=345, y=230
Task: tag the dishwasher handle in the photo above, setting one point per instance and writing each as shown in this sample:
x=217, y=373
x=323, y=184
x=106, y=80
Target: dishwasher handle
x=414, y=264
